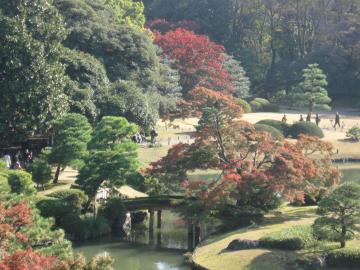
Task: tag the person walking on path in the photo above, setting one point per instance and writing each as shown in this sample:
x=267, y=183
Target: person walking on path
x=284, y=119
x=308, y=117
x=8, y=162
x=301, y=118
x=337, y=120
x=317, y=119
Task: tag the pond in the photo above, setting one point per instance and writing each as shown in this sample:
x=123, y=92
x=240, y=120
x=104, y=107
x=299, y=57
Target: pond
x=350, y=171
x=164, y=254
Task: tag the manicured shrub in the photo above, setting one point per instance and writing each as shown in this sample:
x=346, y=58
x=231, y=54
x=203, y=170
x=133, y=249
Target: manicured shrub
x=275, y=133
x=345, y=258
x=4, y=185
x=74, y=197
x=295, y=238
x=305, y=128
x=255, y=106
x=283, y=127
x=87, y=227
x=53, y=207
x=262, y=101
x=239, y=244
x=20, y=182
x=245, y=105
x=353, y=134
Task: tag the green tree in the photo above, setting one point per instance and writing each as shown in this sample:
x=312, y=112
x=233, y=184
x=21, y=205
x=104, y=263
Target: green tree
x=88, y=83
x=113, y=157
x=20, y=182
x=71, y=135
x=312, y=89
x=340, y=214
x=31, y=77
x=40, y=169
x=128, y=12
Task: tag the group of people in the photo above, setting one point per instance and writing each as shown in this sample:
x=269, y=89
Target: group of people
x=19, y=160
x=140, y=137
x=317, y=119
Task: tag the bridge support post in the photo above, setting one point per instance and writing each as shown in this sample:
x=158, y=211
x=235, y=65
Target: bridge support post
x=151, y=226
x=159, y=228
x=190, y=236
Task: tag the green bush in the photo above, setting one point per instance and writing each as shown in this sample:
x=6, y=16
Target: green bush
x=20, y=182
x=283, y=127
x=245, y=105
x=353, y=134
x=76, y=198
x=349, y=258
x=53, y=207
x=305, y=128
x=4, y=185
x=255, y=106
x=262, y=101
x=275, y=133
x=295, y=238
x=113, y=210
x=87, y=227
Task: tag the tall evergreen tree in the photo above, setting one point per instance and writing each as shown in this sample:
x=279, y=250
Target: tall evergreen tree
x=31, y=77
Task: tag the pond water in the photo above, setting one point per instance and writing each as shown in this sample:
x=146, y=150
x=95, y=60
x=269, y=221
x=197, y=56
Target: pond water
x=350, y=171
x=166, y=254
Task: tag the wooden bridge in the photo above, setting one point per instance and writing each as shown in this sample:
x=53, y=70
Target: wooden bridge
x=158, y=204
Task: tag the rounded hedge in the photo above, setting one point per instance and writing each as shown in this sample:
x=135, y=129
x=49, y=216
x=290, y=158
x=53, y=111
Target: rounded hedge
x=53, y=207
x=245, y=105
x=113, y=210
x=279, y=125
x=74, y=197
x=306, y=128
x=255, y=106
x=262, y=101
x=275, y=133
x=20, y=182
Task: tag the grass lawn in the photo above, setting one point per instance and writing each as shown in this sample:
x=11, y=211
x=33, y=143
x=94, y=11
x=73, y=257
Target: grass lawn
x=211, y=253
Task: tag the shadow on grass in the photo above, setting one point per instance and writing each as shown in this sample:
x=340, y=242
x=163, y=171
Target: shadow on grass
x=274, y=260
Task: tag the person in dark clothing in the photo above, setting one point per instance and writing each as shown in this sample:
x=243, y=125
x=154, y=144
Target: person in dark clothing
x=317, y=119
x=308, y=117
x=301, y=118
x=153, y=135
x=284, y=119
x=337, y=120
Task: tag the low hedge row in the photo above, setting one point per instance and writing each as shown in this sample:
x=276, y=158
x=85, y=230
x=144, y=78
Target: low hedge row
x=263, y=105
x=295, y=238
x=294, y=130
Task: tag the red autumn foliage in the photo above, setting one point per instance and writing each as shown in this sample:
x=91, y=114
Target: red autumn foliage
x=28, y=260
x=198, y=59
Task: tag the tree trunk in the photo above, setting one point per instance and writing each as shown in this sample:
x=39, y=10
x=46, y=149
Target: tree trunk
x=311, y=106
x=57, y=174
x=343, y=237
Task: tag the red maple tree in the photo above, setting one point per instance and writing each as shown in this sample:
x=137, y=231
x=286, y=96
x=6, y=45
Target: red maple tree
x=198, y=59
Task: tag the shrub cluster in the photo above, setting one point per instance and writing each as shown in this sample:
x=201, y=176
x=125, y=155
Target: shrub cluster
x=274, y=132
x=295, y=238
x=279, y=125
x=305, y=128
x=245, y=105
x=263, y=105
x=349, y=258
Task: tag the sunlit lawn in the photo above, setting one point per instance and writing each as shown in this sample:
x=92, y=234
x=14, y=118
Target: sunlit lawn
x=212, y=256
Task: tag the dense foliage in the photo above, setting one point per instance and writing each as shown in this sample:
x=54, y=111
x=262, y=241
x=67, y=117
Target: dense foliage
x=275, y=40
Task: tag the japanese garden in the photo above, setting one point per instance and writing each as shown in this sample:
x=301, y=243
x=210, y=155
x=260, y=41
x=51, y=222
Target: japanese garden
x=179, y=134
